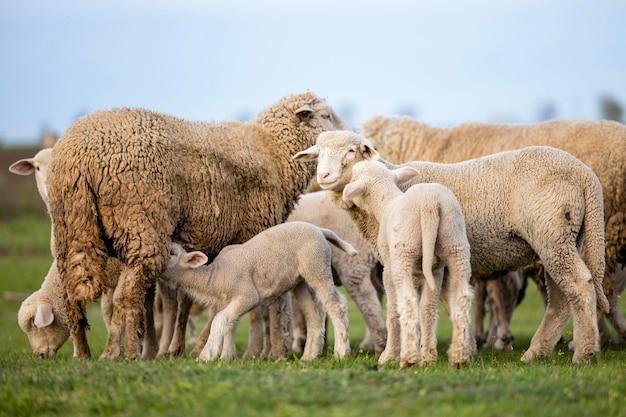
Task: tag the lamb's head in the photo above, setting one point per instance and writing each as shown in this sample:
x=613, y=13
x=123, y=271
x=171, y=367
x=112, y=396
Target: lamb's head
x=46, y=329
x=336, y=153
x=38, y=165
x=181, y=260
x=372, y=181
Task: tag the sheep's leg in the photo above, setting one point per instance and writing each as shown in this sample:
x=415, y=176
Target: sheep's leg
x=78, y=332
x=280, y=319
x=460, y=295
x=177, y=346
x=255, y=334
x=204, y=334
x=222, y=328
x=150, y=346
x=392, y=348
x=168, y=300
x=315, y=319
x=503, y=335
x=299, y=328
x=408, y=313
x=367, y=301
x=134, y=295
x=114, y=348
x=106, y=307
x=428, y=318
x=550, y=330
x=480, y=291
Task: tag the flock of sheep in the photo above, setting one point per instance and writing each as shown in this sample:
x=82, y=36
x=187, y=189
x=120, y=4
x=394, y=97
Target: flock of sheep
x=147, y=207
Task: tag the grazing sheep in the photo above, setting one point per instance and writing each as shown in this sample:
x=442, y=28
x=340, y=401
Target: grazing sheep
x=601, y=145
x=290, y=256
x=358, y=274
x=425, y=222
x=124, y=182
x=518, y=205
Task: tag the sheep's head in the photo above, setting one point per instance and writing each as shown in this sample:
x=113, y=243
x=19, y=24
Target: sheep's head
x=46, y=330
x=181, y=260
x=336, y=152
x=37, y=165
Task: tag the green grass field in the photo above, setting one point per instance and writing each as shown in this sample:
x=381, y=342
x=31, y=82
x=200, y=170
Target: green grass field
x=495, y=384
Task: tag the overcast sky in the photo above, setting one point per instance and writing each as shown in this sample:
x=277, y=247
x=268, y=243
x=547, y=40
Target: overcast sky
x=444, y=61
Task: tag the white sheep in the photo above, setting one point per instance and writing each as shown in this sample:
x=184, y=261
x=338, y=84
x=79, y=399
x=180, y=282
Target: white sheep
x=360, y=275
x=423, y=223
x=601, y=145
x=518, y=205
x=124, y=182
x=290, y=256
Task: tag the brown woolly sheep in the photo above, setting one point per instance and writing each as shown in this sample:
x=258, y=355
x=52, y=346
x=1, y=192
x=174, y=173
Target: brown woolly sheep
x=124, y=182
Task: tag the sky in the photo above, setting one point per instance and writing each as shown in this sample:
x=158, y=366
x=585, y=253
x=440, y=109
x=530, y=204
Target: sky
x=442, y=61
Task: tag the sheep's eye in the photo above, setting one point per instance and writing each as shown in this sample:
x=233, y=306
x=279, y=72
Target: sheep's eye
x=37, y=168
x=172, y=253
x=325, y=116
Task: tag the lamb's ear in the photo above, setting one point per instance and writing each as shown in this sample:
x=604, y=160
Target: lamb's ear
x=404, y=174
x=304, y=113
x=23, y=166
x=194, y=259
x=368, y=151
x=310, y=154
x=44, y=315
x=353, y=190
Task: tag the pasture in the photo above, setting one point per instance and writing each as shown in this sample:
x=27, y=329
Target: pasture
x=494, y=384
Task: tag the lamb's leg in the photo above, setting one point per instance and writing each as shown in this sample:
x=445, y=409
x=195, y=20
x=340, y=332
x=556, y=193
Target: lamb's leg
x=502, y=336
x=299, y=328
x=106, y=307
x=222, y=337
x=315, y=319
x=177, y=346
x=204, y=334
x=114, y=348
x=408, y=313
x=428, y=318
x=337, y=309
x=392, y=348
x=134, y=295
x=480, y=292
x=78, y=332
x=460, y=294
x=280, y=326
x=168, y=300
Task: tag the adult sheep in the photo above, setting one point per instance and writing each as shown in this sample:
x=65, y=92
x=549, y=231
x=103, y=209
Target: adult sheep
x=124, y=182
x=601, y=145
x=518, y=205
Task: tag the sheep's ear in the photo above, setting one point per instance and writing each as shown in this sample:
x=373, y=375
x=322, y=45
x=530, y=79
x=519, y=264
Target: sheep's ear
x=304, y=113
x=23, y=167
x=310, y=154
x=353, y=190
x=368, y=151
x=44, y=315
x=194, y=259
x=403, y=175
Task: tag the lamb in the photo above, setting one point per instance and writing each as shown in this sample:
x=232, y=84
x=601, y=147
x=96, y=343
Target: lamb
x=124, y=182
x=518, y=205
x=358, y=274
x=290, y=256
x=601, y=145
x=425, y=222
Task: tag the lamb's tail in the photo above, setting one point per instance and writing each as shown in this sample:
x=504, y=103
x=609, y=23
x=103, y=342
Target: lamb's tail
x=594, y=244
x=338, y=242
x=430, y=227
x=81, y=251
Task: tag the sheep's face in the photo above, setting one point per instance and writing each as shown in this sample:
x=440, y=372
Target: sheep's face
x=46, y=331
x=37, y=165
x=336, y=152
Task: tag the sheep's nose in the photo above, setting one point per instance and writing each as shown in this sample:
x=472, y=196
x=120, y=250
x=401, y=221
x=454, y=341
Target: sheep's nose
x=323, y=175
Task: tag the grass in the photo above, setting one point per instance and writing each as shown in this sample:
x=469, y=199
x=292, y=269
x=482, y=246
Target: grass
x=495, y=384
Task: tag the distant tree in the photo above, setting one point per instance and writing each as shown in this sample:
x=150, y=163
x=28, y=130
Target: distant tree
x=610, y=109
x=547, y=111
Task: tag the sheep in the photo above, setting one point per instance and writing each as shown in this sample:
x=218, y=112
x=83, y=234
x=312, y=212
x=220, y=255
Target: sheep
x=358, y=274
x=424, y=222
x=601, y=145
x=289, y=256
x=518, y=205
x=124, y=182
